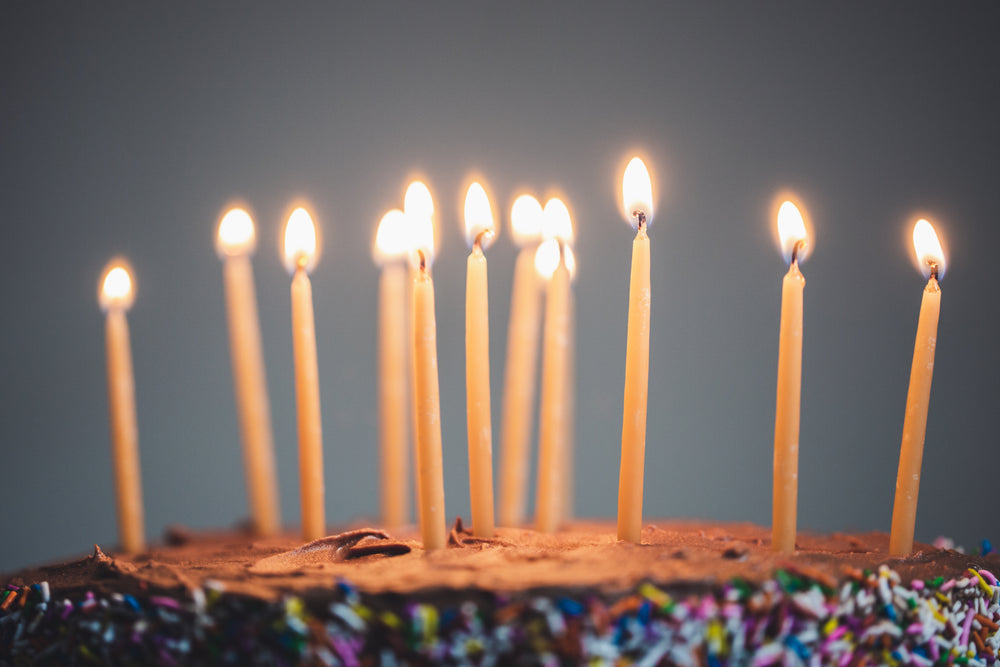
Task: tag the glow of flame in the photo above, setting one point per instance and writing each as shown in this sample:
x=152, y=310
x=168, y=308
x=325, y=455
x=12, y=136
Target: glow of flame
x=420, y=239
x=478, y=217
x=526, y=220
x=928, y=249
x=637, y=192
x=547, y=259
x=791, y=231
x=556, y=221
x=116, y=289
x=418, y=205
x=236, y=234
x=418, y=202
x=392, y=241
x=300, y=242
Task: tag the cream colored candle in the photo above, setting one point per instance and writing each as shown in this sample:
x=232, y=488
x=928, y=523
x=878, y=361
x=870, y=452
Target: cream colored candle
x=427, y=402
x=522, y=358
x=569, y=439
x=638, y=200
x=418, y=209
x=235, y=242
x=551, y=265
x=552, y=417
x=116, y=297
x=792, y=232
x=479, y=232
x=300, y=258
x=393, y=370
x=904, y=510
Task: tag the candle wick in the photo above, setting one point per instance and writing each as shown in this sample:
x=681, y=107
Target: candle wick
x=799, y=245
x=301, y=261
x=934, y=270
x=422, y=259
x=477, y=244
x=641, y=217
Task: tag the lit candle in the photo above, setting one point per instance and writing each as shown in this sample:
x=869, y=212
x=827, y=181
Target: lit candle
x=300, y=258
x=638, y=201
x=550, y=262
x=480, y=231
x=794, y=246
x=522, y=357
x=904, y=511
x=235, y=243
x=418, y=207
x=569, y=445
x=391, y=248
x=427, y=402
x=115, y=296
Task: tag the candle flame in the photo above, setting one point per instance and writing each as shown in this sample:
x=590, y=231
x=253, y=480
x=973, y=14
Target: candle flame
x=479, y=226
x=392, y=241
x=792, y=232
x=930, y=255
x=300, y=242
x=526, y=220
x=547, y=259
x=420, y=240
x=116, y=286
x=418, y=205
x=556, y=221
x=418, y=201
x=236, y=235
x=637, y=193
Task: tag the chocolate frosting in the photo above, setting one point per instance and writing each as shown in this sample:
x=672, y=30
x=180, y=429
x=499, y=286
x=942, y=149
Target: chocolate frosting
x=586, y=555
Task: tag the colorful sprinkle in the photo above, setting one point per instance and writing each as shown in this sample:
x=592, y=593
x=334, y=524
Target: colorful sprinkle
x=792, y=619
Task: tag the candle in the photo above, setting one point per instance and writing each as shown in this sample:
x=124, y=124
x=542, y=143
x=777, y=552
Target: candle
x=418, y=207
x=300, y=258
x=569, y=445
x=522, y=353
x=235, y=243
x=794, y=245
x=552, y=430
x=638, y=200
x=480, y=231
x=116, y=296
x=390, y=253
x=904, y=510
x=430, y=473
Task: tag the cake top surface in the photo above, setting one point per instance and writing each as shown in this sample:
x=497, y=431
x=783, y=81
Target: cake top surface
x=586, y=555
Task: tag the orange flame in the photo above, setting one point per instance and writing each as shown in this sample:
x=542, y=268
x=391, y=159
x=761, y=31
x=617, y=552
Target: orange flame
x=930, y=255
x=300, y=242
x=116, y=290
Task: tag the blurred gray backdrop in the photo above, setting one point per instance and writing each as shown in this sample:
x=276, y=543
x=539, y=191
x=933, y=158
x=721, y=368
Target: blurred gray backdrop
x=126, y=128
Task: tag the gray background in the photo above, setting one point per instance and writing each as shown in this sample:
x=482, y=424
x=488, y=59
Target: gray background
x=127, y=128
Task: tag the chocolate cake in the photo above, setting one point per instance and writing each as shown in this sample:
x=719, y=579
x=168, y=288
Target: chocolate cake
x=690, y=594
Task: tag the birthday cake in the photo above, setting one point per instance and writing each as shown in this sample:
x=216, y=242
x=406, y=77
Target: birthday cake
x=690, y=594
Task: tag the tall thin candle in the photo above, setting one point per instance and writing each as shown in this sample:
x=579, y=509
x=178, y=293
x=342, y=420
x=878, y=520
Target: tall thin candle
x=904, y=509
x=427, y=401
x=794, y=243
x=552, y=418
x=480, y=231
x=235, y=243
x=638, y=199
x=557, y=228
x=568, y=466
x=521, y=362
x=418, y=207
x=116, y=296
x=300, y=258
x=393, y=369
